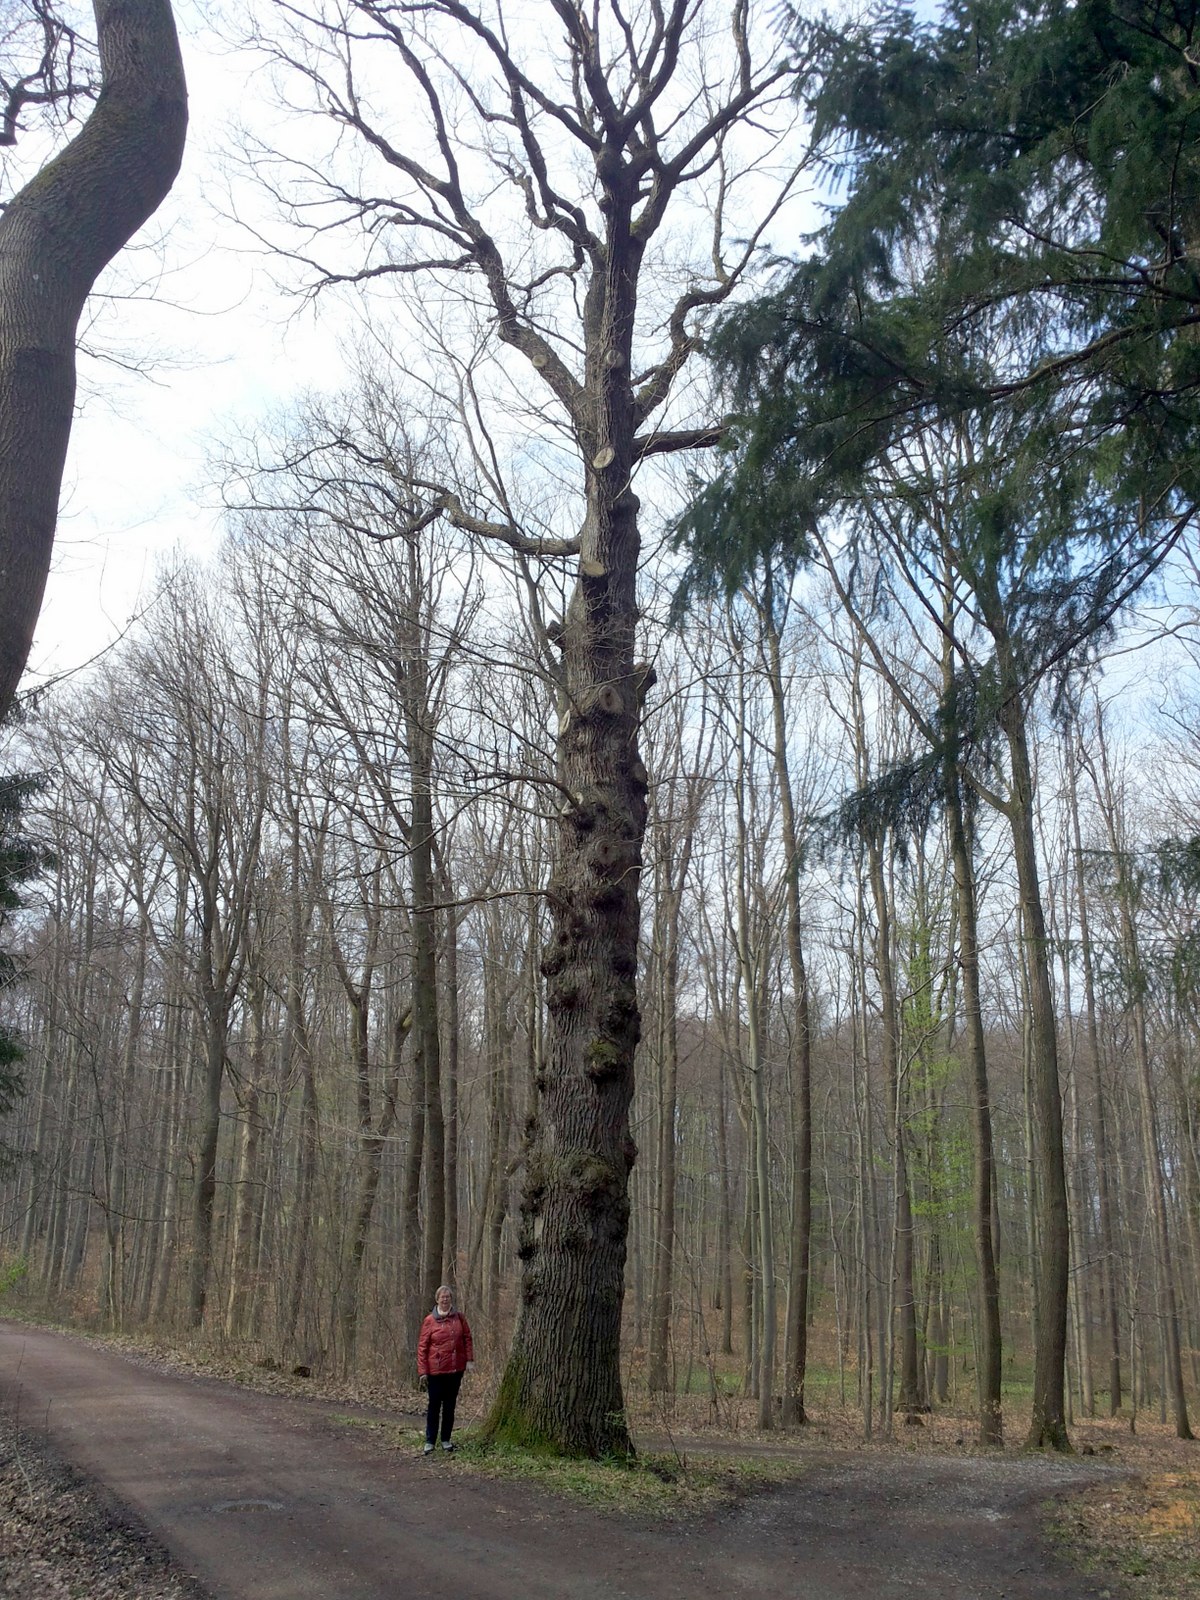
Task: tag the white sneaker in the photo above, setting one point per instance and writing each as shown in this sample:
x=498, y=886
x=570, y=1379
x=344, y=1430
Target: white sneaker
x=446, y=1445
x=428, y=1450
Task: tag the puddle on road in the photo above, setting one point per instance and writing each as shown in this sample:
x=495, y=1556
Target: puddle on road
x=248, y=1505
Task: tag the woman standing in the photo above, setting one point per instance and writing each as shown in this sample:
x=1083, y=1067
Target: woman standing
x=444, y=1353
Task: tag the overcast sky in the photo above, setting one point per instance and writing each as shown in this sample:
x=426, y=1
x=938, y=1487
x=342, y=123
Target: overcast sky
x=216, y=340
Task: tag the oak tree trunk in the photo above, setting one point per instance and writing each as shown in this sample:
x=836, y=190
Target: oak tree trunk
x=563, y=1381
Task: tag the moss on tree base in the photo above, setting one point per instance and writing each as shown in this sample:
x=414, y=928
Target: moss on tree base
x=509, y=1425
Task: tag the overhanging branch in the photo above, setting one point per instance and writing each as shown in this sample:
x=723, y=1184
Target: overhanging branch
x=668, y=441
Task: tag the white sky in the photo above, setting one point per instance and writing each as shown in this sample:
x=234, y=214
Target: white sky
x=218, y=340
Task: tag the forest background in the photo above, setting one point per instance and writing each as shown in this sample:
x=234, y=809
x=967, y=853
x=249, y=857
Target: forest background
x=289, y=991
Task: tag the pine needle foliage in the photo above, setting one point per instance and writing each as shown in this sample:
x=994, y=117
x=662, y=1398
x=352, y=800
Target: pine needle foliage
x=1013, y=236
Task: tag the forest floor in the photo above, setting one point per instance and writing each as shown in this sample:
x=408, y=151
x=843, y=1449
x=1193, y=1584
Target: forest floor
x=194, y=1486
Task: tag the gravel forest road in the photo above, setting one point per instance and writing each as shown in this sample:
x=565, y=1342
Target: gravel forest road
x=264, y=1498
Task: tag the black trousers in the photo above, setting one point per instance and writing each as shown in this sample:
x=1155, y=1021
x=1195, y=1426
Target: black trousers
x=443, y=1397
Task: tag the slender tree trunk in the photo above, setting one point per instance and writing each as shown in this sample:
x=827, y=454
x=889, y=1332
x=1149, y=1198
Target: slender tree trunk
x=410, y=1215
x=1173, y=1388
x=658, y=1376
x=1190, y=1197
x=1108, y=1246
x=751, y=1274
x=800, y=1053
x=452, y=1076
x=1048, y=1425
x=216, y=1017
x=991, y=1428
x=242, y=1289
x=497, y=1057
x=1173, y=1385
x=306, y=1166
x=373, y=1136
x=870, y=1346
x=497, y=1212
x=113, y=1292
x=426, y=1030
x=156, y=1285
x=905, y=1290
x=675, y=839
x=751, y=963
x=173, y=1136
x=725, y=1224
x=989, y=1362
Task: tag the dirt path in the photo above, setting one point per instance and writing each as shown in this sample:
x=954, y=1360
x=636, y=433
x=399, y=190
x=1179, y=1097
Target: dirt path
x=269, y=1499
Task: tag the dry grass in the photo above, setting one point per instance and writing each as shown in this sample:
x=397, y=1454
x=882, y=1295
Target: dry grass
x=1143, y=1529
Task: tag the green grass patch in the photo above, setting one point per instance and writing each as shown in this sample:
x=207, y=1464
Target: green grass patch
x=727, y=1383
x=646, y=1485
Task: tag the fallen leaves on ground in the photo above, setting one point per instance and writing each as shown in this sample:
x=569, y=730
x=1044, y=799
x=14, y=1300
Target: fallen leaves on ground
x=1143, y=1529
x=59, y=1541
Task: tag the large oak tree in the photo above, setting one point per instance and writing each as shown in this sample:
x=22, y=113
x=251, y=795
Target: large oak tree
x=530, y=167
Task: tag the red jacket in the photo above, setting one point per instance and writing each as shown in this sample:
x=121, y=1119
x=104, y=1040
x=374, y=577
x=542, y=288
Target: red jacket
x=444, y=1345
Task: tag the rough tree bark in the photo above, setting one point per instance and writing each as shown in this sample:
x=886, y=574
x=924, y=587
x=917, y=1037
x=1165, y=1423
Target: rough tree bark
x=56, y=236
